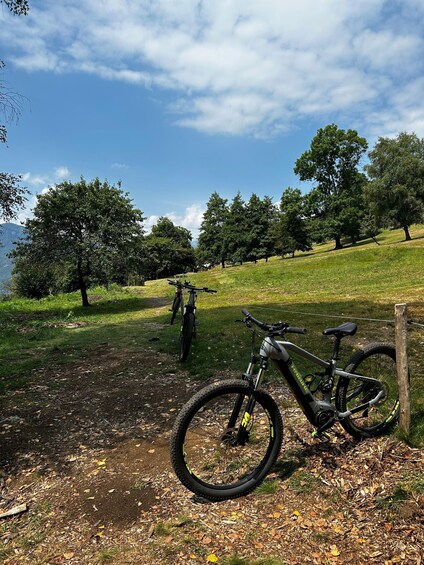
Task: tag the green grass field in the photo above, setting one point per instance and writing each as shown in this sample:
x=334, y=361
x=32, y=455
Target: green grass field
x=318, y=289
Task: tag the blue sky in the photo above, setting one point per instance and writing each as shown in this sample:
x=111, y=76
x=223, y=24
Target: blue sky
x=179, y=98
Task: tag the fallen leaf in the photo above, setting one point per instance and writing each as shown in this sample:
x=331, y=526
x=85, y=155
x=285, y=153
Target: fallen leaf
x=334, y=551
x=212, y=558
x=68, y=555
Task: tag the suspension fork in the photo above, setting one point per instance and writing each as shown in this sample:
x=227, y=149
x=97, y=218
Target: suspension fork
x=242, y=433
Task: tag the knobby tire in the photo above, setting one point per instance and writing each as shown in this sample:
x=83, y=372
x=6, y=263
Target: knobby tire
x=204, y=450
x=186, y=335
x=376, y=360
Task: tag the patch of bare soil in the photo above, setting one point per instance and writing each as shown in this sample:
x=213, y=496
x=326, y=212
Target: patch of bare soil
x=85, y=447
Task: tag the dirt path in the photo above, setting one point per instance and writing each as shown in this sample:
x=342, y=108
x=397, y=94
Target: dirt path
x=85, y=447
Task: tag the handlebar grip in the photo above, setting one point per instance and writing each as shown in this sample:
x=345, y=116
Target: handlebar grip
x=294, y=330
x=245, y=312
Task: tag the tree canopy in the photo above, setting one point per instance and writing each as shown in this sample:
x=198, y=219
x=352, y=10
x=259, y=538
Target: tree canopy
x=167, y=250
x=332, y=163
x=92, y=228
x=212, y=236
x=395, y=192
x=291, y=230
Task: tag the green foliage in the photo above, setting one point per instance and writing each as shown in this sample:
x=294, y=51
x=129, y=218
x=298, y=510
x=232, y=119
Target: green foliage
x=332, y=163
x=35, y=280
x=260, y=217
x=164, y=227
x=211, y=237
x=269, y=486
x=167, y=250
x=17, y=7
x=165, y=257
x=91, y=228
x=291, y=230
x=237, y=232
x=395, y=193
x=12, y=196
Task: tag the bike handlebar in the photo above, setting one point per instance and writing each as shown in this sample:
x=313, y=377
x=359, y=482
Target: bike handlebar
x=272, y=328
x=189, y=286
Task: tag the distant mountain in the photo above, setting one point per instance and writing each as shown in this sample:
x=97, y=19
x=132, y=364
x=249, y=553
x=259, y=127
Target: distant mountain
x=9, y=235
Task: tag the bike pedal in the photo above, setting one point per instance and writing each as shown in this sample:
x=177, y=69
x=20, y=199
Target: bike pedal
x=322, y=437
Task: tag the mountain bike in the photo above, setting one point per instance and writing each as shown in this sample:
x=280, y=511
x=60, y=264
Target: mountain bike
x=178, y=302
x=188, y=326
x=228, y=436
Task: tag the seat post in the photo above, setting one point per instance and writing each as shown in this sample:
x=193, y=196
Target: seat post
x=336, y=348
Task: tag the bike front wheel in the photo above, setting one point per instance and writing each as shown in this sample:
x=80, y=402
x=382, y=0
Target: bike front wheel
x=175, y=307
x=210, y=455
x=186, y=335
x=378, y=361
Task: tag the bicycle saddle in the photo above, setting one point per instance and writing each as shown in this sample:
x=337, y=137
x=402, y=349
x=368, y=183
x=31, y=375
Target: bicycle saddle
x=348, y=328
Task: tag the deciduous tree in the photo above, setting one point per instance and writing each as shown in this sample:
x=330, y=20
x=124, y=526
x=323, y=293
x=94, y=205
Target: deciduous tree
x=395, y=192
x=332, y=163
x=167, y=250
x=91, y=227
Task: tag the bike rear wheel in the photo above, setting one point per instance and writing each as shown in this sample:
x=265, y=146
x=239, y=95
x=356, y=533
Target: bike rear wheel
x=186, y=335
x=207, y=453
x=378, y=361
x=175, y=307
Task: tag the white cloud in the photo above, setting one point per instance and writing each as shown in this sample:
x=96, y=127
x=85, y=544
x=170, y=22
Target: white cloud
x=40, y=184
x=239, y=66
x=62, y=173
x=120, y=166
x=191, y=219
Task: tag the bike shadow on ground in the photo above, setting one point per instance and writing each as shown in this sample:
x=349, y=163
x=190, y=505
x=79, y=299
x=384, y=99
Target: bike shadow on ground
x=294, y=458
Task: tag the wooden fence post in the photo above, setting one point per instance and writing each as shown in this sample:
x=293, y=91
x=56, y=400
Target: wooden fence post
x=402, y=368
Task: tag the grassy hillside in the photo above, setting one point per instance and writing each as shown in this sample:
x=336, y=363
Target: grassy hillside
x=316, y=290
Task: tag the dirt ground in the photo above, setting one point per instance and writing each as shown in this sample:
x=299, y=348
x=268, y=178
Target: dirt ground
x=85, y=448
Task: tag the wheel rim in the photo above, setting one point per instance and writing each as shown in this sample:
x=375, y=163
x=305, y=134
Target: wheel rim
x=210, y=449
x=382, y=367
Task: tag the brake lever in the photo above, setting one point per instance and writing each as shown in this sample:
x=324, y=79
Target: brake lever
x=246, y=322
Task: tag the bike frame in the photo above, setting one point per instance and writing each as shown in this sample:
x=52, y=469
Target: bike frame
x=179, y=291
x=191, y=304
x=278, y=352
x=191, y=307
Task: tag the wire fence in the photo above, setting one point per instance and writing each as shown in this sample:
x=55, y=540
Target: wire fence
x=340, y=316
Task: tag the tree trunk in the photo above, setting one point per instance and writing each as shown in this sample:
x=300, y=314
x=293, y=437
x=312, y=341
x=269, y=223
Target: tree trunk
x=338, y=243
x=374, y=239
x=82, y=285
x=407, y=234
